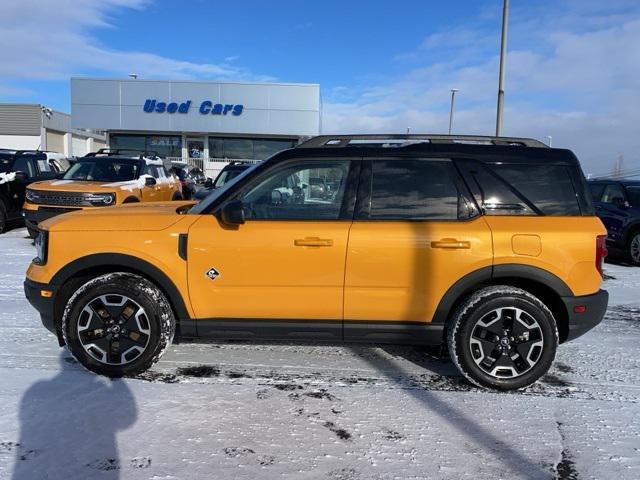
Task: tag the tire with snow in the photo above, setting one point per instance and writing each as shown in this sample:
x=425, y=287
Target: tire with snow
x=118, y=324
x=502, y=337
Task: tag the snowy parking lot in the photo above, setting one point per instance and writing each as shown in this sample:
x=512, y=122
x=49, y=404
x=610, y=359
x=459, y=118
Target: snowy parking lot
x=248, y=411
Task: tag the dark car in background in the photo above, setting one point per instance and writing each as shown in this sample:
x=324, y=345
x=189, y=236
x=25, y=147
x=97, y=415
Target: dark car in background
x=19, y=168
x=191, y=178
x=617, y=204
x=229, y=172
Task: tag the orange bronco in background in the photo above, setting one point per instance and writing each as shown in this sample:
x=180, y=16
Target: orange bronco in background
x=101, y=179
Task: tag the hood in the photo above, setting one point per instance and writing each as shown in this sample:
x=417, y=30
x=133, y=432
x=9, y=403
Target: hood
x=150, y=216
x=81, y=186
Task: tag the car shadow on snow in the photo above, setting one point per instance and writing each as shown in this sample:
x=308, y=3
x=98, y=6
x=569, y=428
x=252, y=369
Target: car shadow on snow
x=495, y=444
x=68, y=426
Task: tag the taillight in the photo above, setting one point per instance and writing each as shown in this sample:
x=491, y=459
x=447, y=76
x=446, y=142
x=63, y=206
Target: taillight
x=601, y=252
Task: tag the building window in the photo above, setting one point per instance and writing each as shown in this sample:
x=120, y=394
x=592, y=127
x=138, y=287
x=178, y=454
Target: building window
x=164, y=145
x=247, y=148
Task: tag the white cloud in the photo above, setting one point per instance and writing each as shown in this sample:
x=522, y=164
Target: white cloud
x=578, y=81
x=51, y=39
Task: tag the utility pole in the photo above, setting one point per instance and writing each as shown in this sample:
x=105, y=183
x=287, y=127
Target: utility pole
x=453, y=97
x=503, y=55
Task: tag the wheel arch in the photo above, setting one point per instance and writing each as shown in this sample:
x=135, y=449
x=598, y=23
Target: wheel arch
x=69, y=278
x=633, y=227
x=548, y=287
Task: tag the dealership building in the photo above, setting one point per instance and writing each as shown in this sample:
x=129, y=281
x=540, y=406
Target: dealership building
x=206, y=123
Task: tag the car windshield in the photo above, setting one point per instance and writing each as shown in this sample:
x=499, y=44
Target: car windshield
x=633, y=192
x=215, y=194
x=103, y=170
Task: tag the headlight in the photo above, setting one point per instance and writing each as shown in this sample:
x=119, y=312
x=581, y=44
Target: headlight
x=42, y=247
x=99, y=199
x=32, y=196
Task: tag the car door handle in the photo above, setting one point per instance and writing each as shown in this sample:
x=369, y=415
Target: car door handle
x=313, y=242
x=450, y=243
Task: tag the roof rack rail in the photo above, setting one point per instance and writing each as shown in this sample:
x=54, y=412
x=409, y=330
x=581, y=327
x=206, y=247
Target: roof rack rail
x=124, y=151
x=27, y=152
x=337, y=141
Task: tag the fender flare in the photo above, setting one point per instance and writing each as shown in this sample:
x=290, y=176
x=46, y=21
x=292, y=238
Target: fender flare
x=114, y=261
x=470, y=281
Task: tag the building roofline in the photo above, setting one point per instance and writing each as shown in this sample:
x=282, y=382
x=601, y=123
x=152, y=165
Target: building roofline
x=229, y=82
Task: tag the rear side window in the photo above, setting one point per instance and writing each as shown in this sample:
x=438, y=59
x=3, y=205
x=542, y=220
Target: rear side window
x=416, y=189
x=518, y=189
x=596, y=190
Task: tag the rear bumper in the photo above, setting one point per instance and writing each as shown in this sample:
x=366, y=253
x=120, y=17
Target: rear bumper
x=44, y=305
x=33, y=217
x=595, y=306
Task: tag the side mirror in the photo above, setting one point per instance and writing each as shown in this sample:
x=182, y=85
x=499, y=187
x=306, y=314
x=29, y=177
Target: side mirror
x=19, y=175
x=232, y=213
x=149, y=181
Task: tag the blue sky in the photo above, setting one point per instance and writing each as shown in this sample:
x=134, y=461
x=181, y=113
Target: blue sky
x=572, y=70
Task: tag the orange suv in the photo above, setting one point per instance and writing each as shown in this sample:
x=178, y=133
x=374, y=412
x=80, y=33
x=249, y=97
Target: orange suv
x=488, y=245
x=101, y=179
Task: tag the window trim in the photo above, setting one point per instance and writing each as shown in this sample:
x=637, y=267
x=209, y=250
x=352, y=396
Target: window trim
x=363, y=201
x=348, y=199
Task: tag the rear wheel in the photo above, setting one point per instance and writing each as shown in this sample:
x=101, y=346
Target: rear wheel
x=633, y=249
x=503, y=337
x=118, y=324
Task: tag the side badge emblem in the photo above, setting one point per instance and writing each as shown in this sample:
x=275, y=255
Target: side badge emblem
x=212, y=273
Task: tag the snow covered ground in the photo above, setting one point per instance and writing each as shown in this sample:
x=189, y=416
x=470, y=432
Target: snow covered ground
x=247, y=411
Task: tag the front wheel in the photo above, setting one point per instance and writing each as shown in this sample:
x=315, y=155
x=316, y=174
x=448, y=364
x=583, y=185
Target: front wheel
x=118, y=324
x=502, y=337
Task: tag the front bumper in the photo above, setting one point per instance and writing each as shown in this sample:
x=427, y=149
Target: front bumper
x=33, y=217
x=594, y=306
x=44, y=305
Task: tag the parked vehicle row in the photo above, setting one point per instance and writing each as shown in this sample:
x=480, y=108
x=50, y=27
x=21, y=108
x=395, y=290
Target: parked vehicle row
x=489, y=246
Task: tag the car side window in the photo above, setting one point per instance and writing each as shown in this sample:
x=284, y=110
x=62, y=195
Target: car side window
x=416, y=189
x=613, y=194
x=24, y=164
x=596, y=191
x=289, y=193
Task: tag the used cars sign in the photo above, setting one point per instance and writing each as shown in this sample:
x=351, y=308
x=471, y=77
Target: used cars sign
x=207, y=107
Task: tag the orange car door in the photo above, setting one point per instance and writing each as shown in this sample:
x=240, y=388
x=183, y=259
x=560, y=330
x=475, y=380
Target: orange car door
x=415, y=233
x=152, y=193
x=287, y=260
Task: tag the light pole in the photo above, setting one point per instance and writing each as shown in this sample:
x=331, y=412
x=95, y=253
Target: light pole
x=453, y=97
x=503, y=58
x=550, y=140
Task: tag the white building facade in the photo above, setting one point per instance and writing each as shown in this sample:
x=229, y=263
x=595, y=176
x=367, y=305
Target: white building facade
x=208, y=123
